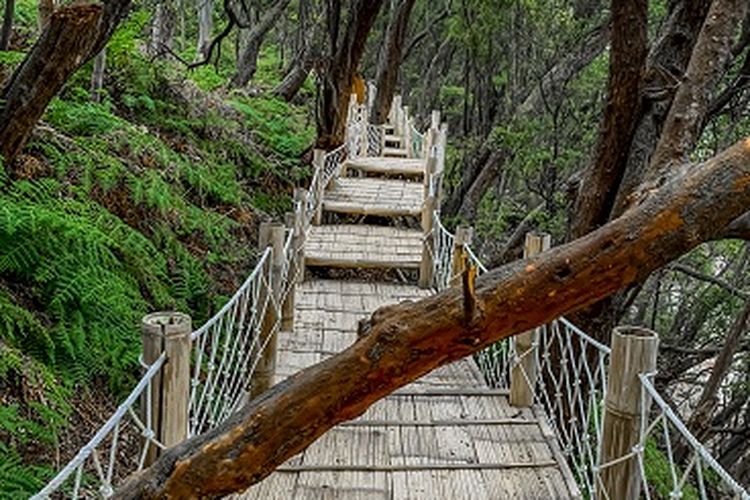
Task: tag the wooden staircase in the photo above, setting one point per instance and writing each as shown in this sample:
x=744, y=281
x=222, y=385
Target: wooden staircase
x=389, y=187
x=447, y=435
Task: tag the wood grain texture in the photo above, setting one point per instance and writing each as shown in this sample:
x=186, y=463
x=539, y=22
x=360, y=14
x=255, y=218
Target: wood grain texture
x=369, y=196
x=408, y=341
x=355, y=246
x=432, y=438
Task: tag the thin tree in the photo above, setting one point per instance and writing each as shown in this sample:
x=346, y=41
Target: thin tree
x=389, y=62
x=340, y=67
x=7, y=28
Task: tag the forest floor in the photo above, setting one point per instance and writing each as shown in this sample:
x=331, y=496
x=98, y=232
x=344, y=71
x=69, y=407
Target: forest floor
x=148, y=199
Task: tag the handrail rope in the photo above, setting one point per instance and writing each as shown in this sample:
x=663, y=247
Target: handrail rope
x=573, y=372
x=697, y=446
x=87, y=450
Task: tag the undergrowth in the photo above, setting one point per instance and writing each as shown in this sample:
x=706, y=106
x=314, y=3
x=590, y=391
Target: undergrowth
x=147, y=200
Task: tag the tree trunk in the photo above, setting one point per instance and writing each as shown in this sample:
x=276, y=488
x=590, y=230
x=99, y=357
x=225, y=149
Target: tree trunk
x=46, y=9
x=338, y=77
x=75, y=34
x=247, y=62
x=97, y=76
x=7, y=29
x=295, y=78
x=627, y=59
x=667, y=63
x=691, y=103
x=389, y=62
x=406, y=341
x=205, y=27
x=163, y=28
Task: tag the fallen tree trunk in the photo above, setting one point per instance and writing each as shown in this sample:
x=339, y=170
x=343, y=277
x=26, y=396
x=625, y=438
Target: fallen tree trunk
x=405, y=341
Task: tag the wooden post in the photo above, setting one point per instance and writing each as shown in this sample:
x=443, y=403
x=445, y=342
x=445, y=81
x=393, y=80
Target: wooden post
x=524, y=373
x=167, y=332
x=287, y=306
x=300, y=230
x=435, y=120
x=463, y=238
x=396, y=119
x=428, y=222
x=272, y=235
x=406, y=130
x=442, y=140
x=318, y=160
x=634, y=351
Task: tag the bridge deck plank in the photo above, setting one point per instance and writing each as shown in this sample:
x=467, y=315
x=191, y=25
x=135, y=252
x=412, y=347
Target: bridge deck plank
x=360, y=246
x=411, y=167
x=371, y=196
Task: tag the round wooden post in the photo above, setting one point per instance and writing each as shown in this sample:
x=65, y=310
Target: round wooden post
x=463, y=238
x=318, y=160
x=395, y=114
x=167, y=332
x=406, y=130
x=428, y=223
x=523, y=374
x=435, y=120
x=272, y=235
x=634, y=351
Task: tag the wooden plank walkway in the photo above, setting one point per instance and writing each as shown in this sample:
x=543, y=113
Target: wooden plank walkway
x=360, y=246
x=445, y=436
x=390, y=166
x=371, y=196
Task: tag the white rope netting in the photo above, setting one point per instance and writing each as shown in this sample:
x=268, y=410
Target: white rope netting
x=118, y=448
x=226, y=350
x=570, y=384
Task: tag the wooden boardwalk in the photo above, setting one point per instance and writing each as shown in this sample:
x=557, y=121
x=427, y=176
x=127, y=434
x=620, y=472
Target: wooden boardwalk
x=445, y=436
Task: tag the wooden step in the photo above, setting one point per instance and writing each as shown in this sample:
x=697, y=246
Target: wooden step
x=388, y=166
x=360, y=246
x=395, y=152
x=372, y=196
x=392, y=140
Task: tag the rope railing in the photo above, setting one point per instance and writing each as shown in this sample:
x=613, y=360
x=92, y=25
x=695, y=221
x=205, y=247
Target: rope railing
x=99, y=464
x=225, y=351
x=568, y=381
x=225, y=354
x=662, y=429
x=570, y=385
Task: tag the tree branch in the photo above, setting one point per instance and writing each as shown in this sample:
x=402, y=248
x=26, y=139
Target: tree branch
x=709, y=279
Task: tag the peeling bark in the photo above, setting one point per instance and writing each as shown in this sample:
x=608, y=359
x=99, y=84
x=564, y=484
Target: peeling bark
x=408, y=340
